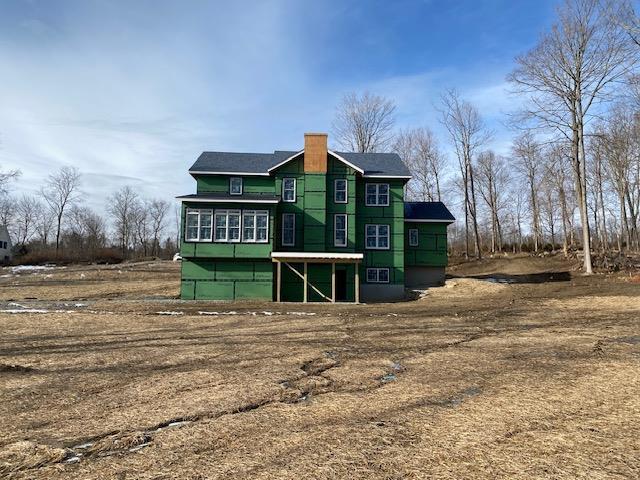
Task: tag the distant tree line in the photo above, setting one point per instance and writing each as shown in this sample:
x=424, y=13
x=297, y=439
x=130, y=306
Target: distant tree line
x=571, y=179
x=54, y=225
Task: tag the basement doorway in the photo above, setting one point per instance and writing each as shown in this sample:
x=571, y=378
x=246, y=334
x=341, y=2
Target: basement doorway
x=341, y=284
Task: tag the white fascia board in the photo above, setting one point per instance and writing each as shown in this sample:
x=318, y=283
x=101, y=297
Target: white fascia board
x=235, y=174
x=284, y=161
x=226, y=200
x=405, y=177
x=427, y=220
x=322, y=255
x=357, y=169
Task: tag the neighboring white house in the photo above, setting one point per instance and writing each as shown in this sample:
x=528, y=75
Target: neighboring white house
x=5, y=245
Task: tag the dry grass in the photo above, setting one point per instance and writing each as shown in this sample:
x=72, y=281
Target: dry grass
x=477, y=380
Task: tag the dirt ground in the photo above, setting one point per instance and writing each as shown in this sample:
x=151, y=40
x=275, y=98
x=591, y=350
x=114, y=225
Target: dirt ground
x=517, y=368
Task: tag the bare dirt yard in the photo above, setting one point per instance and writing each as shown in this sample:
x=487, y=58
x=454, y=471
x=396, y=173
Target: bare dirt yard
x=522, y=369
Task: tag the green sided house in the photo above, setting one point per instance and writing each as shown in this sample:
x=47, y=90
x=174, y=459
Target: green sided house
x=312, y=225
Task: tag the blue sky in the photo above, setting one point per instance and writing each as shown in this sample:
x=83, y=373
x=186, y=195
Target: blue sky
x=131, y=92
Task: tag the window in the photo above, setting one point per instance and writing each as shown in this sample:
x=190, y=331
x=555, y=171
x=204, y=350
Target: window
x=413, y=237
x=377, y=237
x=340, y=190
x=235, y=186
x=288, y=189
x=198, y=225
x=340, y=230
x=377, y=275
x=288, y=229
x=254, y=226
x=377, y=194
x=227, y=225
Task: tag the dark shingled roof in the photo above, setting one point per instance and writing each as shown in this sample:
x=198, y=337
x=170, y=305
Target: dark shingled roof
x=435, y=211
x=259, y=163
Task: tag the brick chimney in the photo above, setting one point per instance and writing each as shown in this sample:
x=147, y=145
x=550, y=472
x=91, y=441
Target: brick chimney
x=315, y=153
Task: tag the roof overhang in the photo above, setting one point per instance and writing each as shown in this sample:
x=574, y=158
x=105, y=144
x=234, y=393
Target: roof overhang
x=376, y=175
x=228, y=200
x=426, y=220
x=318, y=257
x=203, y=172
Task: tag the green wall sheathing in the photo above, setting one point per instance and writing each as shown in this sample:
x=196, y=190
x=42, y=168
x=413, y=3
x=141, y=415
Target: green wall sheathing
x=293, y=169
x=213, y=249
x=204, y=279
x=338, y=170
x=392, y=215
x=315, y=211
x=255, y=185
x=432, y=245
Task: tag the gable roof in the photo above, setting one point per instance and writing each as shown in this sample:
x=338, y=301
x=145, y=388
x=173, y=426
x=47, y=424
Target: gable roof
x=369, y=164
x=433, y=212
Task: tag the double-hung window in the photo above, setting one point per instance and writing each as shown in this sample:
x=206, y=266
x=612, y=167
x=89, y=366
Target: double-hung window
x=235, y=185
x=198, y=225
x=377, y=275
x=377, y=237
x=288, y=229
x=288, y=189
x=377, y=194
x=340, y=230
x=255, y=226
x=340, y=190
x=413, y=237
x=227, y=225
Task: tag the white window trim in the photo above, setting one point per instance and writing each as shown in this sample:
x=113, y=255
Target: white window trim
x=255, y=214
x=226, y=213
x=295, y=187
x=377, y=270
x=293, y=215
x=335, y=190
x=231, y=179
x=417, y=242
x=377, y=225
x=335, y=229
x=197, y=212
x=377, y=185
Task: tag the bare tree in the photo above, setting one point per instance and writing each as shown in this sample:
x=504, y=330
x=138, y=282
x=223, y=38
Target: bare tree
x=555, y=169
x=6, y=178
x=122, y=205
x=566, y=76
x=141, y=225
x=493, y=181
x=467, y=133
x=526, y=152
x=421, y=153
x=364, y=123
x=26, y=216
x=158, y=210
x=61, y=190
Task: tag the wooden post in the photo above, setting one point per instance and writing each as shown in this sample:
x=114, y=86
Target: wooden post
x=333, y=282
x=279, y=282
x=306, y=280
x=357, y=282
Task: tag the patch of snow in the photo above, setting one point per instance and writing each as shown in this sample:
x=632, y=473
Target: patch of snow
x=301, y=313
x=74, y=459
x=14, y=304
x=6, y=275
x=35, y=310
x=208, y=313
x=30, y=268
x=267, y=313
x=170, y=312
